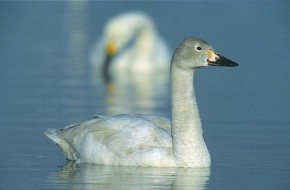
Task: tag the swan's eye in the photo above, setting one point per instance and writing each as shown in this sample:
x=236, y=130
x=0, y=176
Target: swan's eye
x=198, y=48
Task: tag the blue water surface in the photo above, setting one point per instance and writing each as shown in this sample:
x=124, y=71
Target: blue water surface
x=47, y=81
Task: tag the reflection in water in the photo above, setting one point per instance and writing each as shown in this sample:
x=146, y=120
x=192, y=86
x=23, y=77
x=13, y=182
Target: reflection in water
x=143, y=93
x=134, y=93
x=76, y=38
x=85, y=176
x=75, y=69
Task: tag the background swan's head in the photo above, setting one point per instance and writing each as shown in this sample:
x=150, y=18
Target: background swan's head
x=195, y=53
x=121, y=29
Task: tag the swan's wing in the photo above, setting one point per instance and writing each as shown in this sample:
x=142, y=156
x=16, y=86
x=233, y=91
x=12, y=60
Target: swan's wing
x=116, y=140
x=161, y=122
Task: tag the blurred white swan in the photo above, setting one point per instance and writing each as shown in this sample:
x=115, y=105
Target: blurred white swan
x=134, y=61
x=149, y=140
x=130, y=44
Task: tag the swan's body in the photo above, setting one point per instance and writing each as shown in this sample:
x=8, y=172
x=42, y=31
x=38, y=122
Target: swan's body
x=130, y=140
x=134, y=44
x=148, y=140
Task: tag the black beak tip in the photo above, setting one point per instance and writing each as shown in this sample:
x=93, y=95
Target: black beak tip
x=223, y=61
x=234, y=64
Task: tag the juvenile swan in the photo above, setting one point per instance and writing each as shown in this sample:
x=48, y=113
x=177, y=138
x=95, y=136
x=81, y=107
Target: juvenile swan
x=149, y=140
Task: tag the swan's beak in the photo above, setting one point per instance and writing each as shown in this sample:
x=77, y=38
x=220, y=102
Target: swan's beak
x=215, y=59
x=111, y=50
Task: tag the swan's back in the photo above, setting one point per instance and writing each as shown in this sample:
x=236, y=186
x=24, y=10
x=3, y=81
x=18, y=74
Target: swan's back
x=130, y=140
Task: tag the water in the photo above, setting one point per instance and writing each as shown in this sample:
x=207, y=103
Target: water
x=47, y=82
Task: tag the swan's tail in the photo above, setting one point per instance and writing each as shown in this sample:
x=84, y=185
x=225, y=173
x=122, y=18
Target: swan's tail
x=62, y=144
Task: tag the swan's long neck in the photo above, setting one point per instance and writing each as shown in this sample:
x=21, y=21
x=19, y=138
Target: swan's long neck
x=189, y=147
x=146, y=36
x=144, y=44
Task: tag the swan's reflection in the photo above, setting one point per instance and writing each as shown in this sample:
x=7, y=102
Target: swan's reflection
x=133, y=93
x=85, y=176
x=136, y=94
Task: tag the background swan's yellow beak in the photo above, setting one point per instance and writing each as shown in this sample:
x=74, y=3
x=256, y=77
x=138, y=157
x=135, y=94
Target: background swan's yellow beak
x=111, y=48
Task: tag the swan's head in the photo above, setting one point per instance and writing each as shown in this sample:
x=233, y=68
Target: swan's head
x=117, y=34
x=194, y=53
x=121, y=29
x=117, y=37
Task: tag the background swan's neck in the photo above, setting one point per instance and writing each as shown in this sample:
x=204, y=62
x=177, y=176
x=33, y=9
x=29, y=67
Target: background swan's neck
x=144, y=45
x=189, y=147
x=146, y=36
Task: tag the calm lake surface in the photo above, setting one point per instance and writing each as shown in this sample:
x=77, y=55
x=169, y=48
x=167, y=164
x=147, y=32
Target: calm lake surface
x=47, y=81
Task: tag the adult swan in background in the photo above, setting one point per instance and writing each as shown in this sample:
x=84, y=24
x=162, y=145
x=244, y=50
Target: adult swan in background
x=130, y=44
x=149, y=140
